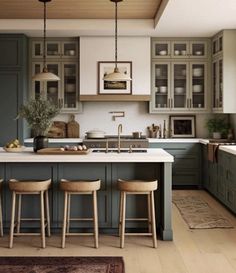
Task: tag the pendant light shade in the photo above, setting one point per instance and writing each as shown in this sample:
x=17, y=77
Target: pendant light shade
x=116, y=75
x=45, y=75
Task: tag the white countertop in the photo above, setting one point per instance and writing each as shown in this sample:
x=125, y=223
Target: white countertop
x=152, y=155
x=228, y=148
x=174, y=140
x=58, y=140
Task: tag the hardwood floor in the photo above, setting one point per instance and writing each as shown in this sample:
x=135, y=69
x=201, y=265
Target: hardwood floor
x=192, y=251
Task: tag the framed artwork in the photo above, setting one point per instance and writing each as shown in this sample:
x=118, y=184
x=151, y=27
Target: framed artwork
x=118, y=87
x=182, y=126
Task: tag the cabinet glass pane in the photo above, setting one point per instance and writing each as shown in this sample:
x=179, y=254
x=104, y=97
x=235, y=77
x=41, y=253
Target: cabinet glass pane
x=214, y=82
x=220, y=43
x=198, y=86
x=180, y=83
x=69, y=49
x=161, y=49
x=53, y=86
x=214, y=47
x=36, y=84
x=161, y=85
x=53, y=49
x=180, y=49
x=198, y=49
x=70, y=86
x=37, y=50
x=220, y=83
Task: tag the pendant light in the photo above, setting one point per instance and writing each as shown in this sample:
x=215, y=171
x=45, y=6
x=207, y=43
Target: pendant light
x=45, y=75
x=116, y=75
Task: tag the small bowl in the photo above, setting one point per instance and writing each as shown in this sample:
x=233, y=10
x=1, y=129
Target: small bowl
x=197, y=72
x=198, y=53
x=183, y=52
x=163, y=52
x=163, y=89
x=179, y=90
x=70, y=87
x=197, y=88
x=14, y=150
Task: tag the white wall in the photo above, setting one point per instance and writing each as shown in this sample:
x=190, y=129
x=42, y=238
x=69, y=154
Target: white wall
x=96, y=116
x=135, y=49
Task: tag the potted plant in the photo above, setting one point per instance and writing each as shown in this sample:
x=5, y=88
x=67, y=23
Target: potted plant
x=218, y=127
x=39, y=114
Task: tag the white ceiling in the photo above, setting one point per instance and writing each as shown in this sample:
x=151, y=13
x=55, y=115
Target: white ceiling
x=181, y=18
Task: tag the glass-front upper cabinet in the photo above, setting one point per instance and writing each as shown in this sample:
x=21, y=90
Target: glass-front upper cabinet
x=37, y=87
x=161, y=49
x=217, y=84
x=198, y=93
x=217, y=44
x=55, y=49
x=180, y=49
x=70, y=86
x=161, y=85
x=180, y=85
x=198, y=49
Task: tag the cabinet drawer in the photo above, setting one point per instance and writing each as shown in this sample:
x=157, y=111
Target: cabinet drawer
x=230, y=198
x=186, y=162
x=185, y=178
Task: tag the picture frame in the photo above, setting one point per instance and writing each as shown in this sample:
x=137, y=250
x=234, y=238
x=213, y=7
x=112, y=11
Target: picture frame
x=182, y=126
x=116, y=88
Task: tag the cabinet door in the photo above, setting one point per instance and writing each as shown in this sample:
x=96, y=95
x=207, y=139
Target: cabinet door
x=198, y=49
x=180, y=78
x=161, y=49
x=215, y=87
x=37, y=49
x=53, y=49
x=180, y=49
x=70, y=49
x=217, y=45
x=70, y=86
x=198, y=85
x=220, y=83
x=37, y=87
x=10, y=91
x=161, y=85
x=52, y=88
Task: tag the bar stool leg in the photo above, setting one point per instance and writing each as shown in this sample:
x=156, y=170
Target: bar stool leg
x=95, y=218
x=48, y=215
x=123, y=220
x=149, y=214
x=42, y=219
x=154, y=238
x=12, y=219
x=120, y=212
x=68, y=214
x=18, y=214
x=63, y=239
x=1, y=222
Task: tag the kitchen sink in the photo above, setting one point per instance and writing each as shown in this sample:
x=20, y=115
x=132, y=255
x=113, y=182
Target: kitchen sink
x=122, y=151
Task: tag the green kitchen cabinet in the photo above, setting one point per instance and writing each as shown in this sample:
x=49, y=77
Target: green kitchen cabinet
x=13, y=85
x=187, y=162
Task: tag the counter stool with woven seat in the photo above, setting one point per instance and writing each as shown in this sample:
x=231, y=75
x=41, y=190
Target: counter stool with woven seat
x=20, y=188
x=1, y=222
x=76, y=188
x=128, y=187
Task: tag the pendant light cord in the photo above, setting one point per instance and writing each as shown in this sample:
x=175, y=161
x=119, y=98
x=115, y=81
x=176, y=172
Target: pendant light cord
x=44, y=37
x=116, y=35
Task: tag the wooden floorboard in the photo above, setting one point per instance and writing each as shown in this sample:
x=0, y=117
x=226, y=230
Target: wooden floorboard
x=192, y=251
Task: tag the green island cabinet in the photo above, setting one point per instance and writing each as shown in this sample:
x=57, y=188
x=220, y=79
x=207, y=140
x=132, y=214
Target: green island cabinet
x=220, y=178
x=187, y=162
x=13, y=84
x=81, y=206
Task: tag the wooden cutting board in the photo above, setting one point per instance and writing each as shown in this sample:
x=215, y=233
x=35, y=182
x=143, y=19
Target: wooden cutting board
x=73, y=128
x=58, y=151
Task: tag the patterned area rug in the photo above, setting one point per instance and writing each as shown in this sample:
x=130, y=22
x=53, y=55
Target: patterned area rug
x=198, y=214
x=61, y=265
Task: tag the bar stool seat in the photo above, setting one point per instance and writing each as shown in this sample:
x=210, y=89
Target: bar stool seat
x=31, y=187
x=146, y=187
x=1, y=221
x=76, y=188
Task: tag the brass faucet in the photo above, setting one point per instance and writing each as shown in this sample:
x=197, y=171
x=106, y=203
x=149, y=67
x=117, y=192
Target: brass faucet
x=119, y=131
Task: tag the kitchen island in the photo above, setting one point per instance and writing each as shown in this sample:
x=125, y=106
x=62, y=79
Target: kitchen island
x=152, y=164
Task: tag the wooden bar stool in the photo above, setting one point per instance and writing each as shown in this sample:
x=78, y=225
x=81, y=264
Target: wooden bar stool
x=1, y=222
x=76, y=188
x=20, y=188
x=137, y=187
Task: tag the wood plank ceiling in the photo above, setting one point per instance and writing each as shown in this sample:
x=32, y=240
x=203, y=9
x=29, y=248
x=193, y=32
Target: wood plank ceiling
x=78, y=9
